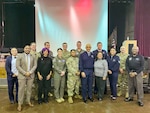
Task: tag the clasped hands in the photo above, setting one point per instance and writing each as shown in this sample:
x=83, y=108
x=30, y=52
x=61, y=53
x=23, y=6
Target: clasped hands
x=27, y=74
x=41, y=77
x=132, y=74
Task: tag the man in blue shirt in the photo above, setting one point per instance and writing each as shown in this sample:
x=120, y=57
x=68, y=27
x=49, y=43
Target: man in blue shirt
x=12, y=74
x=99, y=49
x=86, y=65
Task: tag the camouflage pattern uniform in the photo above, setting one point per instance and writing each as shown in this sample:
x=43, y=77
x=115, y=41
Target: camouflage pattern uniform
x=73, y=81
x=35, y=84
x=65, y=54
x=122, y=78
x=79, y=52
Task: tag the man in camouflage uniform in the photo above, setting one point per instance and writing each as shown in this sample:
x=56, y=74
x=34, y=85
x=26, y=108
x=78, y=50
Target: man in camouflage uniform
x=36, y=55
x=73, y=81
x=47, y=45
x=122, y=77
x=66, y=53
x=79, y=50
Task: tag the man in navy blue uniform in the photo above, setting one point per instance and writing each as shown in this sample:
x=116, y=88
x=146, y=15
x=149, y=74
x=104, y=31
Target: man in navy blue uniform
x=86, y=67
x=113, y=69
x=135, y=67
x=12, y=73
x=99, y=49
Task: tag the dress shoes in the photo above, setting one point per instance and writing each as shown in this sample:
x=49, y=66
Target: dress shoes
x=46, y=101
x=113, y=98
x=12, y=102
x=128, y=99
x=84, y=100
x=91, y=99
x=99, y=99
x=140, y=103
x=39, y=102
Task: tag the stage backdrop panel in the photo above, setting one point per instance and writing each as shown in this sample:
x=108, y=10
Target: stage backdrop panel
x=59, y=21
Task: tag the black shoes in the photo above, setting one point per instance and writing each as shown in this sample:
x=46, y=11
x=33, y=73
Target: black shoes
x=128, y=99
x=39, y=102
x=95, y=92
x=140, y=103
x=84, y=100
x=113, y=98
x=12, y=102
x=91, y=99
x=99, y=99
x=46, y=101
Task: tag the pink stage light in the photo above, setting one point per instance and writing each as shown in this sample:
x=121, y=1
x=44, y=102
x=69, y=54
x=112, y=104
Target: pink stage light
x=84, y=6
x=74, y=22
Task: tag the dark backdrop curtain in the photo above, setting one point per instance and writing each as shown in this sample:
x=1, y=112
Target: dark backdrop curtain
x=19, y=24
x=142, y=26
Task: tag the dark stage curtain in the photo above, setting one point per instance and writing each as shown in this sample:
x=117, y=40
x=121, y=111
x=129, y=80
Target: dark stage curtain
x=19, y=24
x=142, y=26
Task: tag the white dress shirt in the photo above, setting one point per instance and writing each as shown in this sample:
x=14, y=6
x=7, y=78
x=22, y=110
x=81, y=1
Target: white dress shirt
x=13, y=65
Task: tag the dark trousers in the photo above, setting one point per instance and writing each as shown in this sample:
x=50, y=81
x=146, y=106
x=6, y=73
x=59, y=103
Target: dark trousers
x=113, y=78
x=87, y=83
x=96, y=89
x=11, y=83
x=100, y=83
x=49, y=89
x=43, y=88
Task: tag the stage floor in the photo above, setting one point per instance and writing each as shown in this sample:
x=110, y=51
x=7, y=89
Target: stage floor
x=105, y=106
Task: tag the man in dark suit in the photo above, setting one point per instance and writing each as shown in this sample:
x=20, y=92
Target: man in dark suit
x=12, y=74
x=26, y=65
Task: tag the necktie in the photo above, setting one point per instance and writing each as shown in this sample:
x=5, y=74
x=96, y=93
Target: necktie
x=27, y=62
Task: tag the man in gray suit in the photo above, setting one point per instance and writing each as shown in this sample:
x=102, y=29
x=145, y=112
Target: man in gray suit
x=26, y=65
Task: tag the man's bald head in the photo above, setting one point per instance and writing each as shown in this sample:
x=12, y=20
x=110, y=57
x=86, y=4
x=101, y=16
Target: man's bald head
x=88, y=47
x=135, y=50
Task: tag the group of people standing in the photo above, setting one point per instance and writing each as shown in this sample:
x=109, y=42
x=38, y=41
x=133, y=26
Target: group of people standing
x=72, y=70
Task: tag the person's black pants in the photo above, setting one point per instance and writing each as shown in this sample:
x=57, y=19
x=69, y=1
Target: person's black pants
x=43, y=88
x=100, y=83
